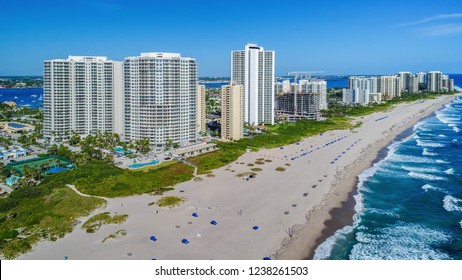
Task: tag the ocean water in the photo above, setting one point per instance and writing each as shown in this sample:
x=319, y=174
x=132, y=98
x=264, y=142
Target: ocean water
x=23, y=96
x=409, y=204
x=214, y=85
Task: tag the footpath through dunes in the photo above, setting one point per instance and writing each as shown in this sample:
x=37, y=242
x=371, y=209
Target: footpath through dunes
x=279, y=213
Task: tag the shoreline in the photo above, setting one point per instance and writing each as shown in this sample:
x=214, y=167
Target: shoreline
x=337, y=210
x=291, y=208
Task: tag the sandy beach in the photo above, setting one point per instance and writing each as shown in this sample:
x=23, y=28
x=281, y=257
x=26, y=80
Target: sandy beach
x=294, y=210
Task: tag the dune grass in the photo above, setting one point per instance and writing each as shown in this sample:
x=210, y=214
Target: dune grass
x=275, y=136
x=115, y=235
x=170, y=201
x=45, y=212
x=103, y=179
x=246, y=174
x=96, y=222
x=157, y=166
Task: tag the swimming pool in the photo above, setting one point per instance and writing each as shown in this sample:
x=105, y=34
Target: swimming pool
x=139, y=165
x=120, y=150
x=16, y=125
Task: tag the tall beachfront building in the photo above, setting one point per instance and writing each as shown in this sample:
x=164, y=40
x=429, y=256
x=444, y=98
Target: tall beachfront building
x=413, y=84
x=362, y=90
x=160, y=95
x=446, y=83
x=81, y=94
x=422, y=76
x=404, y=78
x=254, y=69
x=232, y=112
x=390, y=87
x=201, y=109
x=434, y=81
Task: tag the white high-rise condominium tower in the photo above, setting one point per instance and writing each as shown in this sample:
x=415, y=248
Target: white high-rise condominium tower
x=160, y=91
x=81, y=94
x=404, y=78
x=434, y=81
x=390, y=87
x=254, y=69
x=360, y=90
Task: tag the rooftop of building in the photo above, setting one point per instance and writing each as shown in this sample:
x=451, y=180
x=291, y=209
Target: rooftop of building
x=81, y=59
x=160, y=55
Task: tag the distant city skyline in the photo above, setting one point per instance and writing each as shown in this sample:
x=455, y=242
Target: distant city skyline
x=337, y=37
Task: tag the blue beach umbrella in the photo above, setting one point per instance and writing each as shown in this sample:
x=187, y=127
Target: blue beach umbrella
x=255, y=228
x=213, y=222
x=185, y=241
x=267, y=258
x=195, y=215
x=153, y=238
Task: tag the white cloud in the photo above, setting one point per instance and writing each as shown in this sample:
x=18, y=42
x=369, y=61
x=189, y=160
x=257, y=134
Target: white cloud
x=430, y=19
x=441, y=30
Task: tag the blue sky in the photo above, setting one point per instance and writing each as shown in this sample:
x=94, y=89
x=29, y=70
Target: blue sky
x=338, y=37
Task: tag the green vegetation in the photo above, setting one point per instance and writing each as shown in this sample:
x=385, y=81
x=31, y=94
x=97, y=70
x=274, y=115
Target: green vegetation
x=47, y=211
x=271, y=138
x=260, y=162
x=96, y=222
x=281, y=135
x=103, y=179
x=40, y=163
x=22, y=82
x=268, y=160
x=336, y=110
x=115, y=235
x=358, y=124
x=246, y=174
x=280, y=169
x=157, y=166
x=256, y=169
x=250, y=164
x=170, y=201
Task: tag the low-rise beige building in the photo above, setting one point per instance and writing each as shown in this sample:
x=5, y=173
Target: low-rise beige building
x=232, y=112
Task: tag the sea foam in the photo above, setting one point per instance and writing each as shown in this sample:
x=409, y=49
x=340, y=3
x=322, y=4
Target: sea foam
x=452, y=204
x=425, y=176
x=428, y=187
x=420, y=169
x=400, y=242
x=449, y=171
x=427, y=153
x=324, y=250
x=429, y=144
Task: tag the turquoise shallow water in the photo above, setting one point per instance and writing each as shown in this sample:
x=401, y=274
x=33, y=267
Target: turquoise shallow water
x=409, y=204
